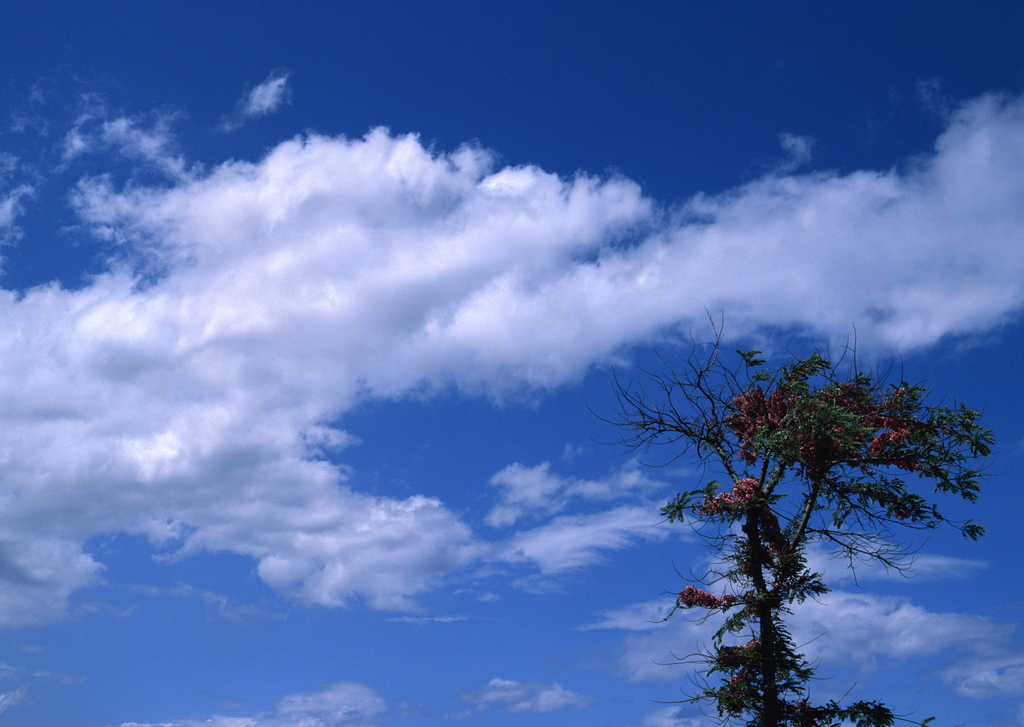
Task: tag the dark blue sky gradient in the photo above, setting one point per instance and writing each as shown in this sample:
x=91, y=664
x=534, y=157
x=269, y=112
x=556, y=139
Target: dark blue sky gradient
x=684, y=97
x=681, y=97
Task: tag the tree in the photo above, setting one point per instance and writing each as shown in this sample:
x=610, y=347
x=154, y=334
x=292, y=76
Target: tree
x=811, y=456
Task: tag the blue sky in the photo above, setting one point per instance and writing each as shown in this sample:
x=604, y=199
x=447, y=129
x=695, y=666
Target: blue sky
x=310, y=314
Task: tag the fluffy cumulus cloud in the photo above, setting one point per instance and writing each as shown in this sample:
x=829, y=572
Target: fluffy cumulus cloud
x=523, y=697
x=39, y=574
x=188, y=393
x=341, y=704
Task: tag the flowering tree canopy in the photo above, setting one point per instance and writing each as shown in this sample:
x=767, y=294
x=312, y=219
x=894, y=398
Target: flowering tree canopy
x=810, y=456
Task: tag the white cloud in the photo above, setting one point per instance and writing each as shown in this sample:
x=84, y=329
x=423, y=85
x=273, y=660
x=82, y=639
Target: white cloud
x=13, y=191
x=865, y=630
x=267, y=96
x=38, y=575
x=428, y=619
x=841, y=630
x=147, y=140
x=10, y=207
x=352, y=544
x=799, y=150
x=861, y=628
x=263, y=99
x=193, y=404
x=13, y=699
x=635, y=617
x=574, y=541
x=992, y=675
x=536, y=491
x=671, y=717
x=217, y=603
x=526, y=697
x=668, y=653
x=924, y=566
x=522, y=489
x=340, y=704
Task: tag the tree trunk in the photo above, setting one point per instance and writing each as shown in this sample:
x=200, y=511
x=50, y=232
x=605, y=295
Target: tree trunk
x=770, y=711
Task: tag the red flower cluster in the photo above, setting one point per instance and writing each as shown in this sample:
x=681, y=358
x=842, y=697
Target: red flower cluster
x=877, y=434
x=746, y=654
x=743, y=491
x=691, y=596
x=754, y=412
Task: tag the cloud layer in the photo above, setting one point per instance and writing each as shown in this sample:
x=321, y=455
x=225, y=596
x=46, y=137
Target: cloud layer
x=340, y=704
x=862, y=632
x=191, y=392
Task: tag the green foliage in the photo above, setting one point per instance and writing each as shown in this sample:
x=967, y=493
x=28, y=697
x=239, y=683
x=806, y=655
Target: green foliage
x=812, y=456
